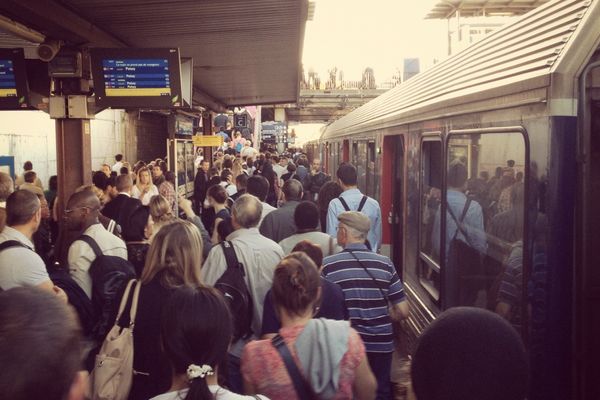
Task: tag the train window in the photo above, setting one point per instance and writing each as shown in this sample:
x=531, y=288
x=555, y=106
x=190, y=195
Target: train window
x=372, y=178
x=361, y=165
x=431, y=185
x=484, y=257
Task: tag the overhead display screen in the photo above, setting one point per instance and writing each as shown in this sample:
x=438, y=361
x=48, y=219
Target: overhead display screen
x=13, y=80
x=136, y=78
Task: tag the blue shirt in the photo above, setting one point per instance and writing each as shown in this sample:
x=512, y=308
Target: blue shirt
x=367, y=307
x=473, y=223
x=370, y=209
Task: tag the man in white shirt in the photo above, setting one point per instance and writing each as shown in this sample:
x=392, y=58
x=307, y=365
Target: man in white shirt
x=278, y=168
x=248, y=150
x=258, y=255
x=259, y=186
x=28, y=166
x=20, y=265
x=81, y=215
x=119, y=163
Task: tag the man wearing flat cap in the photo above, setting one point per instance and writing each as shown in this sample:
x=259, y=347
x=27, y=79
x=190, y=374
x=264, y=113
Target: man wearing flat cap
x=373, y=293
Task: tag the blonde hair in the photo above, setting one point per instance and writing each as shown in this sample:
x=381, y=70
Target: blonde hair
x=176, y=255
x=138, y=181
x=236, y=169
x=160, y=210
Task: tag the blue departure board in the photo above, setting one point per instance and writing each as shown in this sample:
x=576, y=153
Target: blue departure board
x=136, y=77
x=8, y=82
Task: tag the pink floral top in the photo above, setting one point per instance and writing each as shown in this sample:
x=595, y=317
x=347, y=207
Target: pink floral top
x=263, y=367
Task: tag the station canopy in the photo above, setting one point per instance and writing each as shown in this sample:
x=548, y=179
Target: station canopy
x=480, y=8
x=244, y=51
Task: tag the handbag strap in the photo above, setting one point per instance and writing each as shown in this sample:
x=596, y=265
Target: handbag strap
x=300, y=385
x=134, y=302
x=371, y=275
x=124, y=299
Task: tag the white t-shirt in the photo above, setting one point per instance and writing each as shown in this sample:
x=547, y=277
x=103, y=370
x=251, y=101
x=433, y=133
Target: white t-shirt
x=136, y=193
x=219, y=392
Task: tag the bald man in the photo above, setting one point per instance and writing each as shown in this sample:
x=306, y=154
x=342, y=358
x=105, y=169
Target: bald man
x=81, y=215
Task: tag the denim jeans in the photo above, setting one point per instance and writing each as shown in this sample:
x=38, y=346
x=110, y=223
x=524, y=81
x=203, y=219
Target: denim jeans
x=381, y=365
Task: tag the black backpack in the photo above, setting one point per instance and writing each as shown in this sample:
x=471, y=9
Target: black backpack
x=363, y=200
x=233, y=287
x=109, y=276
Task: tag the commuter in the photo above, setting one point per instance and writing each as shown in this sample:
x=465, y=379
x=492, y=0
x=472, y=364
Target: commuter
x=161, y=214
x=315, y=180
x=463, y=264
x=329, y=354
x=217, y=199
x=27, y=166
x=248, y=151
x=173, y=261
x=259, y=256
x=158, y=173
x=277, y=167
x=306, y=219
x=302, y=168
x=144, y=189
x=258, y=186
x=196, y=330
x=331, y=306
x=167, y=190
x=105, y=169
x=238, y=168
x=50, y=193
x=137, y=237
x=329, y=191
x=268, y=172
x=241, y=183
x=201, y=185
x=352, y=199
x=40, y=349
x=185, y=205
x=357, y=269
x=81, y=215
x=123, y=205
x=6, y=188
x=238, y=142
x=506, y=184
x=118, y=163
x=227, y=182
x=30, y=177
x=20, y=265
x=291, y=173
x=469, y=354
x=280, y=224
x=226, y=139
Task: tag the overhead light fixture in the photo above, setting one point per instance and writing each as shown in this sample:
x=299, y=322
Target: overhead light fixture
x=47, y=50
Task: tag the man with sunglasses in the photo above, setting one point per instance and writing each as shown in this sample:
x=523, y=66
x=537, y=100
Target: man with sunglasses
x=81, y=215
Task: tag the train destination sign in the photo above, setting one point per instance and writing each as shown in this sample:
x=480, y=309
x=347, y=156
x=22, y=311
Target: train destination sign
x=8, y=83
x=137, y=77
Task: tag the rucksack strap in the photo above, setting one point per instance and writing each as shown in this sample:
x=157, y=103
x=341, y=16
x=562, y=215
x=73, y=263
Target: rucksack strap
x=230, y=256
x=344, y=204
x=362, y=203
x=12, y=243
x=301, y=386
x=92, y=243
x=459, y=222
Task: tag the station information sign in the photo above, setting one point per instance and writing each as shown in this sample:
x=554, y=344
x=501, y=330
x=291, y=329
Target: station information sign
x=208, y=140
x=8, y=82
x=136, y=77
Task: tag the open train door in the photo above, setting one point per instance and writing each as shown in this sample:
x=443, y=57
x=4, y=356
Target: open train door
x=392, y=197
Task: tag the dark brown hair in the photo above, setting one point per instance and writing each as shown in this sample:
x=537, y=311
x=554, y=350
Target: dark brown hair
x=296, y=283
x=312, y=250
x=218, y=193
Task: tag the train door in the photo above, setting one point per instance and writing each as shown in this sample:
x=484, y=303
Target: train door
x=346, y=151
x=396, y=215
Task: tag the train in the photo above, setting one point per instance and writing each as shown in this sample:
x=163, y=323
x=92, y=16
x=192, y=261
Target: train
x=519, y=111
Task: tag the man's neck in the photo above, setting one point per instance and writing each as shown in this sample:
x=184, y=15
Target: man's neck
x=345, y=187
x=351, y=242
x=26, y=230
x=87, y=224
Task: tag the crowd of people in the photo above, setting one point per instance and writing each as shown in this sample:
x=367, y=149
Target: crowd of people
x=267, y=284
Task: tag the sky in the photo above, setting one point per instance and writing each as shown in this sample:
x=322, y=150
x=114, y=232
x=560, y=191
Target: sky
x=355, y=34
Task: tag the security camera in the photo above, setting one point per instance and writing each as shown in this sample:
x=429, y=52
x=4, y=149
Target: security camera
x=49, y=49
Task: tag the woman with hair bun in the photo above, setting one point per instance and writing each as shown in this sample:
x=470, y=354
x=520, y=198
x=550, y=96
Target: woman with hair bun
x=329, y=354
x=196, y=330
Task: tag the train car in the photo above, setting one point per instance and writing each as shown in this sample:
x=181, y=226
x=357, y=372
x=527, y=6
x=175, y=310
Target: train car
x=512, y=125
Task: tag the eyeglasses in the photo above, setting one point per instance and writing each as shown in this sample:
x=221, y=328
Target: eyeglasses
x=69, y=211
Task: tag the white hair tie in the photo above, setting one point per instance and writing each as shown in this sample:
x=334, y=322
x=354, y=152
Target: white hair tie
x=195, y=371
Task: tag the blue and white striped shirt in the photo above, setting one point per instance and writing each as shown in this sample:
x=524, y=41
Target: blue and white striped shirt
x=367, y=307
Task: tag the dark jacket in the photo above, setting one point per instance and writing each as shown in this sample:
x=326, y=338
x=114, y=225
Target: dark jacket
x=147, y=355
x=279, y=224
x=120, y=209
x=312, y=184
x=200, y=187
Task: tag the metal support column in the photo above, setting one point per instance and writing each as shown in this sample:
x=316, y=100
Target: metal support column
x=74, y=157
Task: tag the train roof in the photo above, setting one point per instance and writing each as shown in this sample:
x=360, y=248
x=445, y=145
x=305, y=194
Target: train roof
x=537, y=58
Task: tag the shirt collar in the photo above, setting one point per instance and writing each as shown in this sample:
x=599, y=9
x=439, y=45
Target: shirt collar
x=356, y=246
x=241, y=232
x=125, y=194
x=12, y=233
x=352, y=191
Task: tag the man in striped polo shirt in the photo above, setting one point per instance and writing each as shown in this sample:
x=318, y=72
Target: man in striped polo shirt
x=373, y=294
